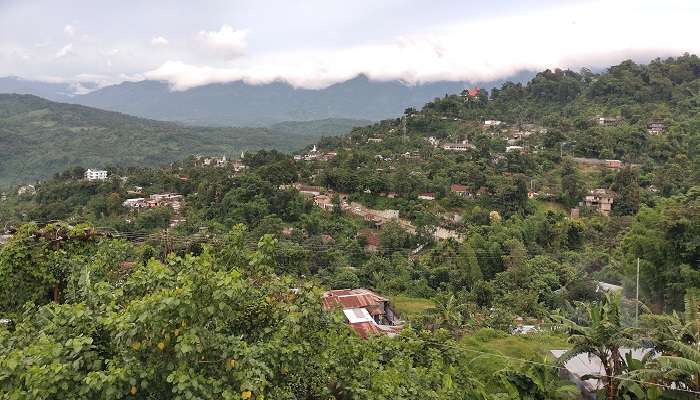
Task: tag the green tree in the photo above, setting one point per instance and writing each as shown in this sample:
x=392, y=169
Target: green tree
x=626, y=186
x=603, y=335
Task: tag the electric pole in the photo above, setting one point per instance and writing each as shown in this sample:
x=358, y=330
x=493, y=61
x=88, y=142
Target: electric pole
x=636, y=312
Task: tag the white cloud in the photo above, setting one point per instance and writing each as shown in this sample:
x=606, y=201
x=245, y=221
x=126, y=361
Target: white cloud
x=591, y=34
x=159, y=41
x=226, y=42
x=69, y=30
x=65, y=51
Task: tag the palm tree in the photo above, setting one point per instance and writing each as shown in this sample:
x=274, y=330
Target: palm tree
x=677, y=338
x=448, y=312
x=602, y=336
x=537, y=381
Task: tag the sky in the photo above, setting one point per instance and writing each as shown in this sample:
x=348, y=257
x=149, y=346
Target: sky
x=315, y=43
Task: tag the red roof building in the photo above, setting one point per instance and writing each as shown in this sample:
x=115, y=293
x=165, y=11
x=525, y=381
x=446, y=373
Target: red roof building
x=366, y=312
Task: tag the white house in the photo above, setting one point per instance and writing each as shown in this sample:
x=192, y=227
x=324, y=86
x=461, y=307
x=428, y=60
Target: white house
x=464, y=146
x=492, y=122
x=95, y=174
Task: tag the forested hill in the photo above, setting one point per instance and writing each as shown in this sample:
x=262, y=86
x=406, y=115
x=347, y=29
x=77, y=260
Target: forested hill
x=39, y=137
x=569, y=105
x=242, y=104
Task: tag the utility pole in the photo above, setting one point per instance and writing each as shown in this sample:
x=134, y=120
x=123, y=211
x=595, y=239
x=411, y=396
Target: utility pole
x=403, y=129
x=636, y=312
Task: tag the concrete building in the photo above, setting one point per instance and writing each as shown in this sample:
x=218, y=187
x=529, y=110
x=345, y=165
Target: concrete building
x=95, y=174
x=601, y=200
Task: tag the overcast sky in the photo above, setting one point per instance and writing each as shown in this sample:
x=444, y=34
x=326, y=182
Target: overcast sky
x=318, y=42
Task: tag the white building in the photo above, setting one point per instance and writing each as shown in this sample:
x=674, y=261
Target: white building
x=95, y=174
x=464, y=146
x=492, y=122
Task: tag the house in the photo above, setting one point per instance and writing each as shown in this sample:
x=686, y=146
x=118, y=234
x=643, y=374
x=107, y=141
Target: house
x=432, y=140
x=308, y=190
x=95, y=174
x=460, y=190
x=375, y=140
x=172, y=200
x=366, y=312
x=514, y=149
x=464, y=146
x=445, y=234
x=426, y=196
x=492, y=123
x=609, y=121
x=26, y=189
x=656, y=127
x=601, y=200
x=138, y=202
x=238, y=165
x=324, y=202
x=520, y=135
x=585, y=369
x=614, y=164
x=471, y=94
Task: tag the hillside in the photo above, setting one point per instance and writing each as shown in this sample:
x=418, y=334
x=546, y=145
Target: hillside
x=242, y=104
x=39, y=137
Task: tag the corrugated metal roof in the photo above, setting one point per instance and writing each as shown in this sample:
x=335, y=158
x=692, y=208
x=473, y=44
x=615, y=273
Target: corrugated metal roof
x=352, y=298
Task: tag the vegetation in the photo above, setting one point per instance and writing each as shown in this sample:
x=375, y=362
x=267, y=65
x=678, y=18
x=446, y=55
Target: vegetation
x=39, y=138
x=464, y=269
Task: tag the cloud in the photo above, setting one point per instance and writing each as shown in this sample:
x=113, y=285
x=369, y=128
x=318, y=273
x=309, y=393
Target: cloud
x=573, y=36
x=69, y=30
x=65, y=51
x=159, y=41
x=226, y=42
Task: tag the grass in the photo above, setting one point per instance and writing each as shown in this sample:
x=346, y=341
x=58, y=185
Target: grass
x=408, y=307
x=490, y=349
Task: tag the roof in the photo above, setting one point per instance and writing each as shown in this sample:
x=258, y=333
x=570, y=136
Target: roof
x=355, y=315
x=455, y=187
x=589, y=364
x=351, y=298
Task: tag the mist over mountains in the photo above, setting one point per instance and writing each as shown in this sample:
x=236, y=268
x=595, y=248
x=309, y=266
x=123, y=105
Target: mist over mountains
x=241, y=104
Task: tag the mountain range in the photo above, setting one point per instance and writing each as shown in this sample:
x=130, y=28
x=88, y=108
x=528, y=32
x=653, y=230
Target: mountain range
x=39, y=137
x=242, y=104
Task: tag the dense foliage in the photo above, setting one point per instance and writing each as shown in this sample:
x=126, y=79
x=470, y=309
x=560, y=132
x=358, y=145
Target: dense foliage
x=516, y=251
x=39, y=137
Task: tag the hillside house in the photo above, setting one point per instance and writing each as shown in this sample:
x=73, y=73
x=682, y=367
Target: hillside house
x=429, y=196
x=471, y=94
x=172, y=200
x=463, y=146
x=95, y=174
x=656, y=127
x=324, y=202
x=609, y=121
x=374, y=140
x=366, y=312
x=138, y=202
x=515, y=149
x=460, y=190
x=614, y=164
x=489, y=123
x=26, y=189
x=601, y=200
x=309, y=191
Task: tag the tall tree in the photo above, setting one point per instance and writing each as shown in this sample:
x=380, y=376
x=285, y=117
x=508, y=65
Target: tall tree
x=626, y=186
x=603, y=336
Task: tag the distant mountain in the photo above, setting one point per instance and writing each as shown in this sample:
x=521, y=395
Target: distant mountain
x=47, y=90
x=39, y=137
x=242, y=104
